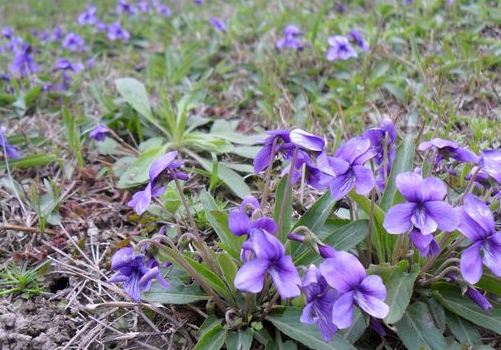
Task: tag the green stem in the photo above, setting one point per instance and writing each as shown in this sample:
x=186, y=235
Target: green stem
x=288, y=188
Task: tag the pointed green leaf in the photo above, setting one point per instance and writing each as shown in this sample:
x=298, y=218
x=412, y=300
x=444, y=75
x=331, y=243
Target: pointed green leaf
x=240, y=340
x=178, y=293
x=213, y=339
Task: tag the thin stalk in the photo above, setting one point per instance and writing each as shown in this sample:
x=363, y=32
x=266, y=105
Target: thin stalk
x=200, y=242
x=288, y=188
x=122, y=142
x=266, y=190
x=269, y=306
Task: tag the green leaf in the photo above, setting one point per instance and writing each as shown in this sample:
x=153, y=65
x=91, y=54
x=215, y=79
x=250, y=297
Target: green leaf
x=287, y=321
x=209, y=323
x=284, y=230
x=417, y=330
x=240, y=340
x=379, y=234
x=178, y=293
x=219, y=222
x=134, y=93
x=231, y=178
x=404, y=161
x=229, y=269
x=453, y=301
x=399, y=286
x=137, y=172
x=464, y=331
x=343, y=238
x=490, y=283
x=214, y=281
x=32, y=160
x=213, y=339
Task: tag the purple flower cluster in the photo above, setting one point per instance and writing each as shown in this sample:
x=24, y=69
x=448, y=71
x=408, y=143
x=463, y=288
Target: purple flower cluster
x=291, y=39
x=134, y=274
x=163, y=169
x=340, y=48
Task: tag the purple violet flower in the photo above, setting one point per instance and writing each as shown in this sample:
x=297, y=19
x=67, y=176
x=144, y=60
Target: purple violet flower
x=123, y=7
x=319, y=301
x=477, y=224
x=268, y=257
x=490, y=164
x=143, y=6
x=8, y=150
x=73, y=42
x=476, y=296
x=99, y=132
x=57, y=34
x=218, y=24
x=165, y=165
x=23, y=62
x=88, y=16
x=307, y=141
x=290, y=39
x=164, y=10
x=447, y=149
x=346, y=274
x=340, y=49
x=347, y=168
x=134, y=274
x=262, y=159
x=426, y=245
x=240, y=223
x=7, y=32
x=425, y=208
x=117, y=32
x=65, y=64
x=357, y=37
x=198, y=2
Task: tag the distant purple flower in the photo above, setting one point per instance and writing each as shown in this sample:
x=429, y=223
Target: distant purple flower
x=407, y=2
x=319, y=301
x=132, y=271
x=425, y=208
x=16, y=44
x=88, y=16
x=65, y=64
x=23, y=62
x=218, y=24
x=269, y=257
x=123, y=7
x=8, y=150
x=240, y=223
x=164, y=10
x=340, y=49
x=477, y=223
x=427, y=245
x=347, y=168
x=198, y=2
x=101, y=26
x=117, y=32
x=73, y=42
x=44, y=36
x=262, y=159
x=143, y=6
x=57, y=34
x=290, y=39
x=99, y=132
x=448, y=149
x=357, y=37
x=490, y=164
x=8, y=32
x=346, y=274
x=164, y=167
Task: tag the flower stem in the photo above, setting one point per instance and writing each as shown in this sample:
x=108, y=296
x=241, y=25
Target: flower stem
x=287, y=190
x=266, y=189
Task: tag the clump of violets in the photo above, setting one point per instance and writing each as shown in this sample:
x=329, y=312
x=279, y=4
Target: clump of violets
x=132, y=272
x=478, y=225
x=163, y=169
x=218, y=24
x=23, y=63
x=290, y=39
x=65, y=65
x=73, y=42
x=8, y=150
x=123, y=7
x=340, y=49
